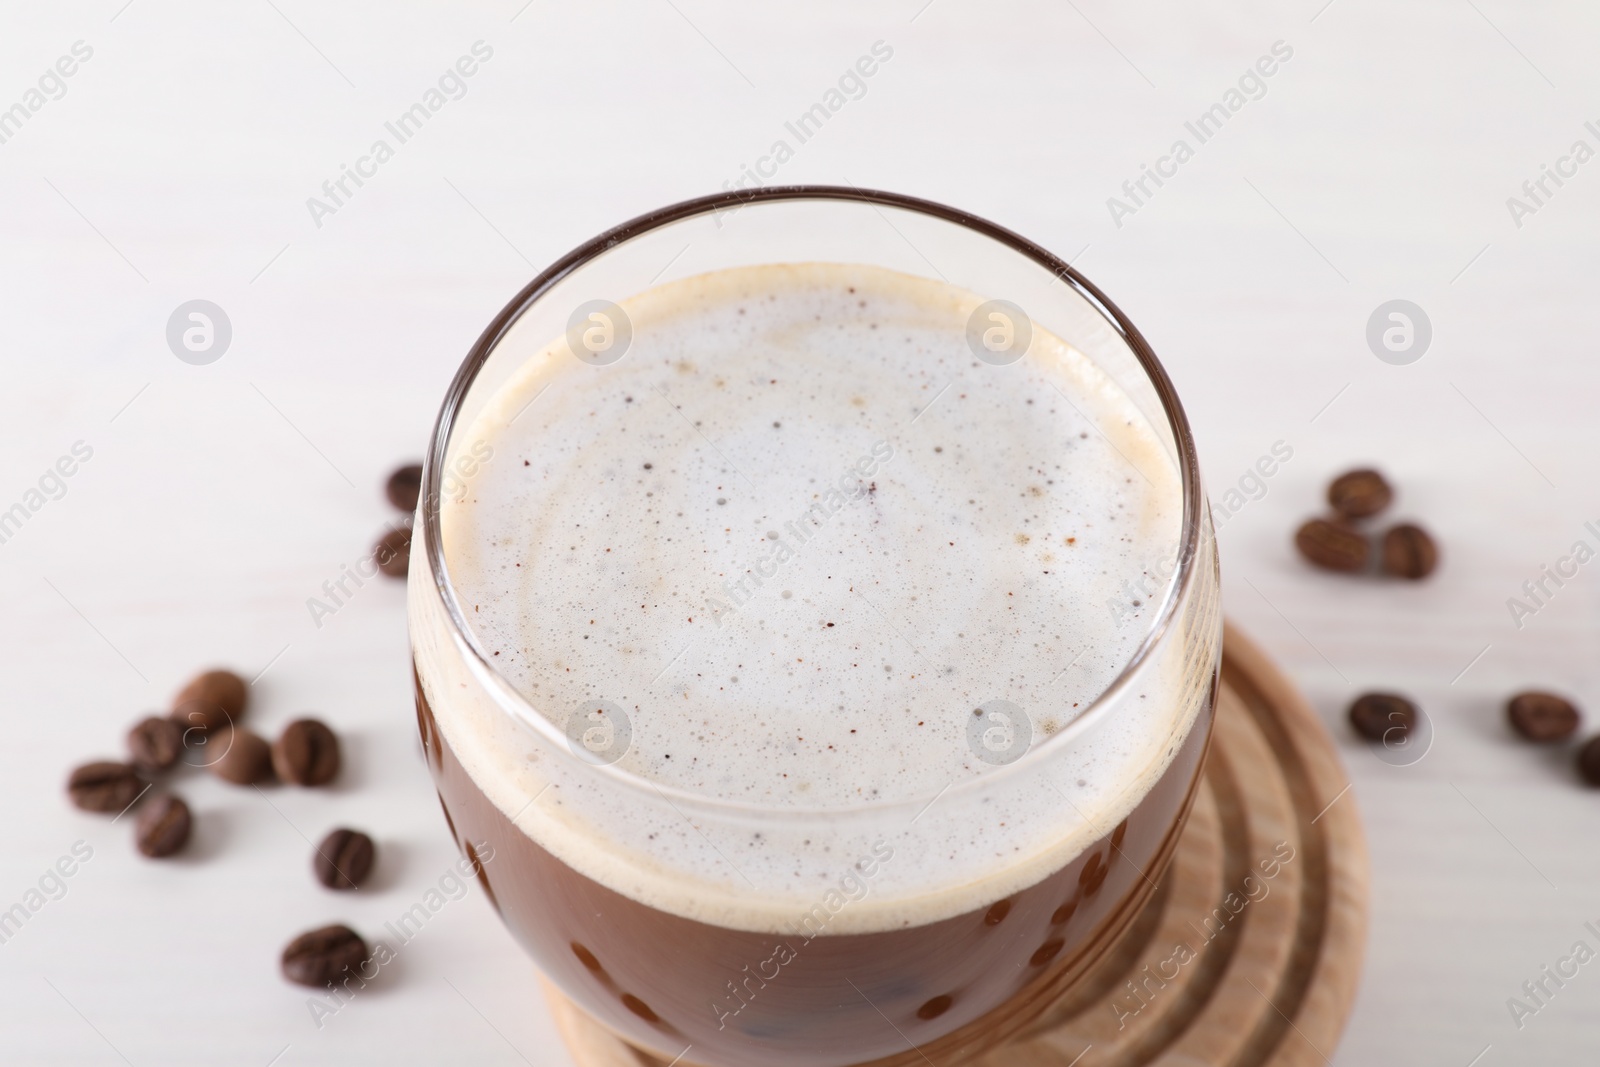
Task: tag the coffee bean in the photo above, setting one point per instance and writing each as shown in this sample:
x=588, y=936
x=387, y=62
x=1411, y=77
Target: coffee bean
x=306, y=753
x=321, y=957
x=1589, y=761
x=238, y=756
x=404, y=485
x=393, y=552
x=212, y=700
x=1408, y=552
x=1383, y=717
x=1332, y=547
x=163, y=826
x=104, y=786
x=155, y=744
x=1542, y=716
x=1359, y=494
x=344, y=859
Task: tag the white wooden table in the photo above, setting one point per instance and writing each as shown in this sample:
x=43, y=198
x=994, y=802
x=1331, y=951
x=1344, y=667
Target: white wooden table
x=176, y=161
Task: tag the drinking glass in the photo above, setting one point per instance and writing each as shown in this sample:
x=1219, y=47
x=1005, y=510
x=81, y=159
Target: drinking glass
x=660, y=911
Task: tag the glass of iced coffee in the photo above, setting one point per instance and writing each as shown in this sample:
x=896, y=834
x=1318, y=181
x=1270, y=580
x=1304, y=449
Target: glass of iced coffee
x=814, y=607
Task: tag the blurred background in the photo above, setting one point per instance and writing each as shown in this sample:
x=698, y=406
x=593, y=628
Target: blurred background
x=1384, y=159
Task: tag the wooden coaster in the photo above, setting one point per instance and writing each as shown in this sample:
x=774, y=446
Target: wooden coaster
x=1248, y=953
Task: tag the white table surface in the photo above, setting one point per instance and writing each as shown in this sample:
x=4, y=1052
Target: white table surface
x=218, y=498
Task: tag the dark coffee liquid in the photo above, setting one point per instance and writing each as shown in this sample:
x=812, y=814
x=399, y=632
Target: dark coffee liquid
x=936, y=993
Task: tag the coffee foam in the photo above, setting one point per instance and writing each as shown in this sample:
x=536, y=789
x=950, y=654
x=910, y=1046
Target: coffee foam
x=797, y=534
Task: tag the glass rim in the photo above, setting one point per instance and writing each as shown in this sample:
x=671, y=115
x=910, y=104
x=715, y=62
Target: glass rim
x=487, y=342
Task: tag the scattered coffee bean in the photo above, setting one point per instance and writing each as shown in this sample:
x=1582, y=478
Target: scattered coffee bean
x=163, y=826
x=1359, y=494
x=155, y=744
x=104, y=786
x=238, y=756
x=320, y=957
x=1332, y=547
x=306, y=753
x=393, y=552
x=1383, y=716
x=344, y=859
x=1542, y=716
x=404, y=485
x=213, y=700
x=1408, y=552
x=1589, y=761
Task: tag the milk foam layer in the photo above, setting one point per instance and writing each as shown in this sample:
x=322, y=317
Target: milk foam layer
x=798, y=534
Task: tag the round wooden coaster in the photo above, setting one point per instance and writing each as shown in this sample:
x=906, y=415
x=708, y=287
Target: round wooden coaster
x=1248, y=953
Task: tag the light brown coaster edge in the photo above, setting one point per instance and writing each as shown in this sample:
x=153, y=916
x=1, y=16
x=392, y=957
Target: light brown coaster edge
x=1329, y=816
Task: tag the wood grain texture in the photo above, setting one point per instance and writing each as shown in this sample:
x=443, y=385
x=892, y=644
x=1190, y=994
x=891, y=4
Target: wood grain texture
x=1249, y=952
